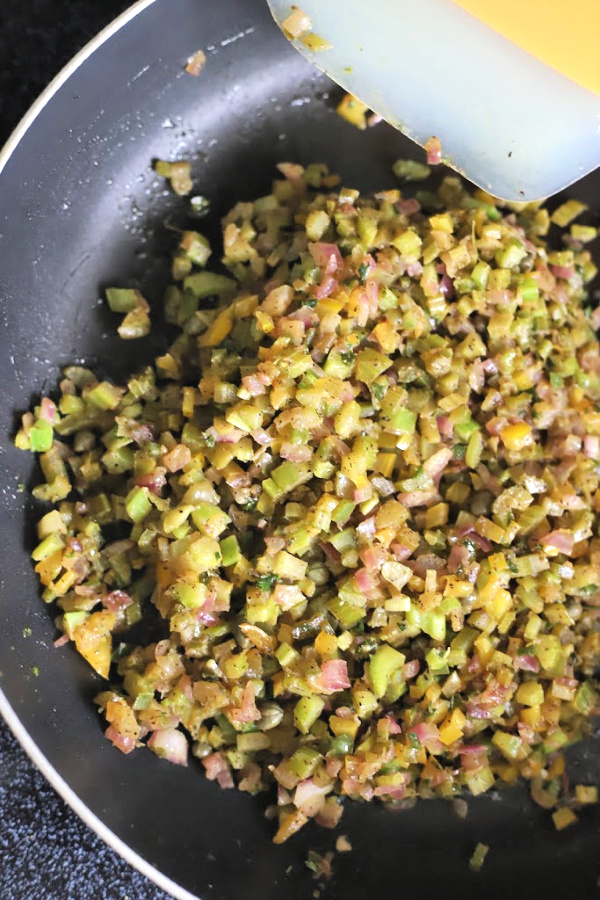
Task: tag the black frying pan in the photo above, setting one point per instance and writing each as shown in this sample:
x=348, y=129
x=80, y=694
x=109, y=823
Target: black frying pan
x=80, y=208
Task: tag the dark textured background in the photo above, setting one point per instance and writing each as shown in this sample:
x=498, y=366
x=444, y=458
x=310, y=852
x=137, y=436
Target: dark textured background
x=46, y=852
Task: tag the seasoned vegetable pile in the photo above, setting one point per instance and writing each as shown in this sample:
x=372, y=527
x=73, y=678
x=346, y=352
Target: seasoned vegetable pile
x=361, y=489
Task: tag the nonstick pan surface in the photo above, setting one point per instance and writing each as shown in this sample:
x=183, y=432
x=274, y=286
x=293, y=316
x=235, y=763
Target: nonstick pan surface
x=80, y=208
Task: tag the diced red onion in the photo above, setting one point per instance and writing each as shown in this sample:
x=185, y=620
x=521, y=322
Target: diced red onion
x=435, y=465
x=411, y=499
x=142, y=434
x=565, y=272
x=117, y=600
x=123, y=742
x=372, y=558
x=296, y=452
x=355, y=788
x=490, y=366
x=401, y=553
x=179, y=457
x=408, y=207
x=333, y=764
x=365, y=581
x=433, y=148
x=310, y=797
x=481, y=542
x=393, y=724
x=171, y=744
x=331, y=813
x=231, y=436
x=445, y=426
x=261, y=437
x=274, y=543
x=526, y=733
x=392, y=792
x=218, y=770
x=363, y=309
x=498, y=295
x=154, y=481
x=326, y=288
x=366, y=528
x=287, y=596
x=563, y=541
x=254, y=385
x=383, y=486
x=411, y=669
x=47, y=410
x=326, y=256
x=333, y=555
x=283, y=796
x=527, y=663
x=466, y=749
x=333, y=677
x=248, y=711
x=372, y=291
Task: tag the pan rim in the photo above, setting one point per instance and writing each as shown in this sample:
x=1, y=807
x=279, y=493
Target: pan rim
x=63, y=76
x=6, y=709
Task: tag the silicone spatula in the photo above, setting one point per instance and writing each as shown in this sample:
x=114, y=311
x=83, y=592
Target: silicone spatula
x=514, y=112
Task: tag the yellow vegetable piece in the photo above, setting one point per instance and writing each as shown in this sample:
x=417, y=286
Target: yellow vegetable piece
x=94, y=641
x=354, y=111
x=563, y=817
x=517, y=437
x=218, y=331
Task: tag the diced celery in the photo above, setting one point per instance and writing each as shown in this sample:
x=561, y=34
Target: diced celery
x=347, y=614
x=510, y=745
x=437, y=660
x=104, y=395
x=208, y=284
x=230, y=550
x=480, y=780
x=289, y=475
x=304, y=761
x=401, y=421
x=480, y=275
x=71, y=621
x=41, y=435
x=306, y=712
x=382, y=664
x=410, y=170
x=511, y=254
x=370, y=364
x=431, y=621
x=122, y=300
x=196, y=247
x=286, y=655
x=47, y=547
x=478, y=857
x=191, y=595
x=343, y=540
x=549, y=651
x=586, y=699
x=464, y=430
x=341, y=745
x=137, y=504
x=365, y=703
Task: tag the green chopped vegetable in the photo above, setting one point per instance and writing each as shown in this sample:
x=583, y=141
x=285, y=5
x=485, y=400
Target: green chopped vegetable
x=478, y=858
x=411, y=170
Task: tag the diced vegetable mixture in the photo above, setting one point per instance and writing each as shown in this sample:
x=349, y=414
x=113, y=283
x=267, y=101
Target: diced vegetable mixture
x=359, y=495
